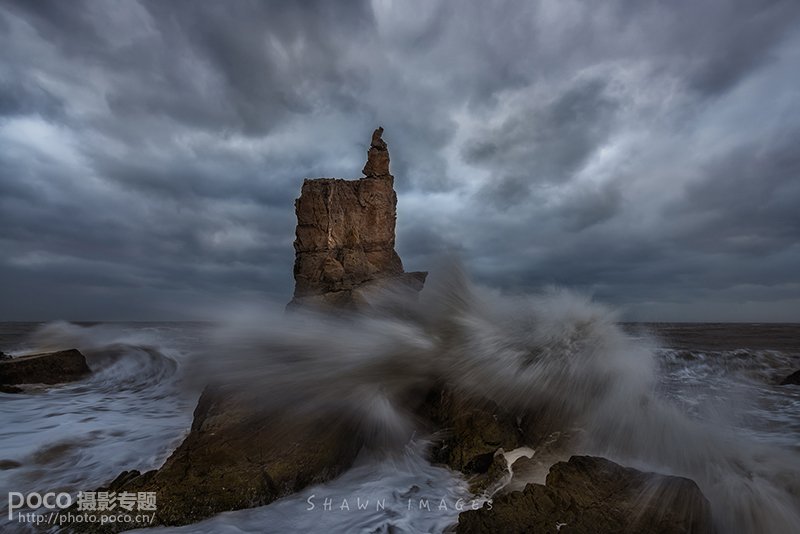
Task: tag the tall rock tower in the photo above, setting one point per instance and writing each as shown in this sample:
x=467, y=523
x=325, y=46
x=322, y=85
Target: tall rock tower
x=345, y=234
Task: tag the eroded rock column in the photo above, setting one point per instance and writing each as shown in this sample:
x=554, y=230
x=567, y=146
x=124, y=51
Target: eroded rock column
x=345, y=232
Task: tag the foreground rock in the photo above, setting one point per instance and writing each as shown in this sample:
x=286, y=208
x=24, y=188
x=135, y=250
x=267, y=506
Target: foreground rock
x=468, y=433
x=589, y=495
x=792, y=379
x=46, y=368
x=237, y=457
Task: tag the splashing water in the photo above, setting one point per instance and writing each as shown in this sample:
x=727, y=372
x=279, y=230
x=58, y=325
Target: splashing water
x=556, y=355
x=129, y=414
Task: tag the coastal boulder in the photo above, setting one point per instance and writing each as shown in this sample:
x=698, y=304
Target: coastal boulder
x=590, y=495
x=792, y=379
x=46, y=368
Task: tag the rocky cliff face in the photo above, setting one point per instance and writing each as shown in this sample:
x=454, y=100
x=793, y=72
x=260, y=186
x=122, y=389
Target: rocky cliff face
x=345, y=233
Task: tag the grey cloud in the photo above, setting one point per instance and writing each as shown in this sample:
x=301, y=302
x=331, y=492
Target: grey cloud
x=592, y=205
x=240, y=65
x=20, y=98
x=738, y=38
x=544, y=142
x=151, y=151
x=747, y=203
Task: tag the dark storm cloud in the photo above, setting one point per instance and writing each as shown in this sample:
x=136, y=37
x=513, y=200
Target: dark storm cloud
x=18, y=98
x=547, y=142
x=240, y=65
x=749, y=199
x=643, y=151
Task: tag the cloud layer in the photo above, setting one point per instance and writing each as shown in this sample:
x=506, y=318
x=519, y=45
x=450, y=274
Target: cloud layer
x=645, y=152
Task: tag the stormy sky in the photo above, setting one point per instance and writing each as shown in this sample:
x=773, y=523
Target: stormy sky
x=644, y=152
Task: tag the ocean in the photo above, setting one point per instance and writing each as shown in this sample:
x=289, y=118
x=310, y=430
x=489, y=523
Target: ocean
x=721, y=417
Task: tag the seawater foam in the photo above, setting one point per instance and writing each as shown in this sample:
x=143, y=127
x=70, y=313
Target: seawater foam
x=556, y=354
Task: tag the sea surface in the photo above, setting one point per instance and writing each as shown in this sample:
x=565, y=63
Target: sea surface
x=137, y=406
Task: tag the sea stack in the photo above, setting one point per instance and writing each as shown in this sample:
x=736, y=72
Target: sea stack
x=238, y=455
x=345, y=234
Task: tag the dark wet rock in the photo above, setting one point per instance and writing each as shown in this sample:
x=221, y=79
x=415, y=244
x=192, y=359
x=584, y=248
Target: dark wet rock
x=468, y=432
x=4, y=356
x=10, y=389
x=54, y=452
x=525, y=466
x=792, y=379
x=47, y=368
x=589, y=495
x=548, y=452
x=493, y=478
x=123, y=479
x=9, y=464
x=237, y=457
